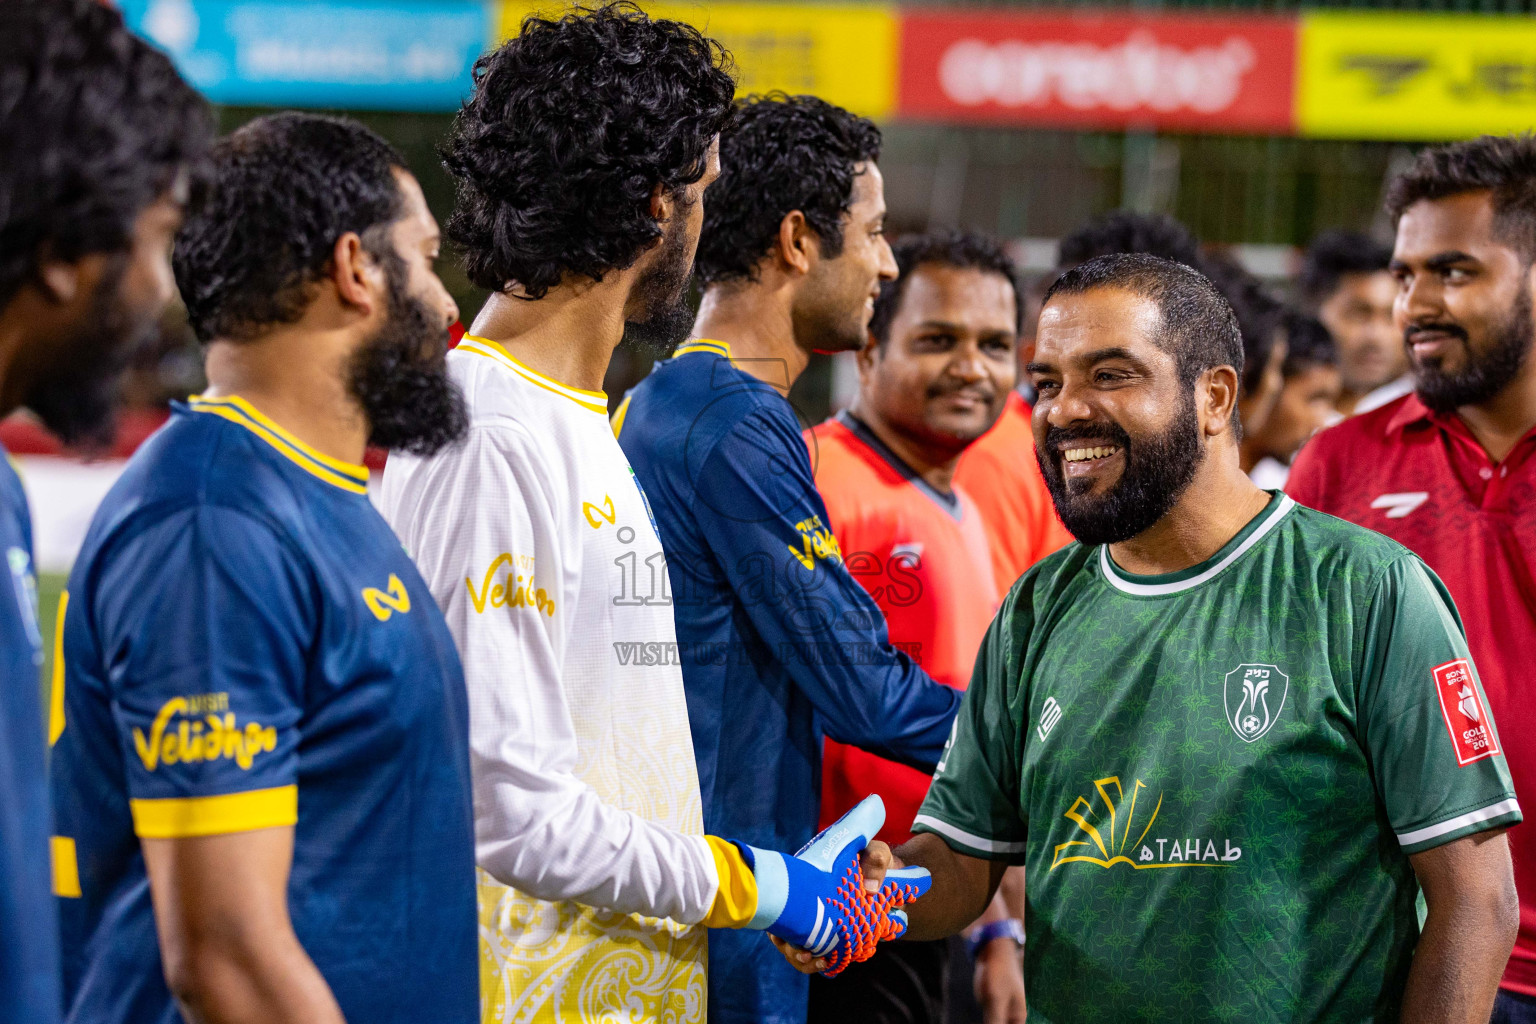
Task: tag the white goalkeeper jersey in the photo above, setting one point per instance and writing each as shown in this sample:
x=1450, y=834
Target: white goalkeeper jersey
x=539, y=546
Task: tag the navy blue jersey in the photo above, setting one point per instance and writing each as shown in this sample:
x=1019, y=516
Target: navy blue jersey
x=779, y=643
x=29, y=959
x=247, y=645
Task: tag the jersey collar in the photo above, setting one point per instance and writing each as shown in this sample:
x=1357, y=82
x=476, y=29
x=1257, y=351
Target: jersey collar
x=949, y=502
x=345, y=475
x=709, y=345
x=592, y=401
x=1410, y=412
x=1257, y=529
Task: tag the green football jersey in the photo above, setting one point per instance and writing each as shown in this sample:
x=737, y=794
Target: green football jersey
x=1214, y=777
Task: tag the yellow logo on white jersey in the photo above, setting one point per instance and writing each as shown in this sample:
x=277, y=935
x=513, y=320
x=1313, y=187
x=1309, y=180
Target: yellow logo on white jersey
x=513, y=592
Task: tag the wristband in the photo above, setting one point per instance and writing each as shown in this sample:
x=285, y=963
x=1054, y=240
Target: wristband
x=1011, y=928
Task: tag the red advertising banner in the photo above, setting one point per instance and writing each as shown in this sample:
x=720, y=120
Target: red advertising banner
x=1107, y=70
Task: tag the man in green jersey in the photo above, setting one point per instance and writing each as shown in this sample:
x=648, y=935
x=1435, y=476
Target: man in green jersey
x=1230, y=738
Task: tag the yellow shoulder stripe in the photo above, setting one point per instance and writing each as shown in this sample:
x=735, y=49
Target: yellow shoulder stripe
x=735, y=900
x=346, y=475
x=619, y=414
x=594, y=401
x=183, y=817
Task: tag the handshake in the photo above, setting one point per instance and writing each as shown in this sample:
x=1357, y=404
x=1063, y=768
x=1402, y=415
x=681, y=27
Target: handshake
x=817, y=900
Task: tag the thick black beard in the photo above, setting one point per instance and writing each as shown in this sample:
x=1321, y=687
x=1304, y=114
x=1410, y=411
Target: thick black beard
x=1157, y=471
x=662, y=291
x=78, y=399
x=1485, y=374
x=400, y=377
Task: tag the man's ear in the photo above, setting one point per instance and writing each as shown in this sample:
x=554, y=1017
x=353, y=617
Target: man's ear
x=869, y=354
x=358, y=277
x=662, y=204
x=60, y=281
x=1219, y=388
x=797, y=246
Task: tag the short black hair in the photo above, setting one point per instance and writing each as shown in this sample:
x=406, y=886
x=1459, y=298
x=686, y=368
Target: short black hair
x=780, y=154
x=1335, y=253
x=1198, y=326
x=963, y=250
x=1505, y=165
x=1307, y=343
x=97, y=126
x=1122, y=231
x=571, y=126
x=282, y=190
x=1257, y=309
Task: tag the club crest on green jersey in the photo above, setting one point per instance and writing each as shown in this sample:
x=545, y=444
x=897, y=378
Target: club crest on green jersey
x=1254, y=696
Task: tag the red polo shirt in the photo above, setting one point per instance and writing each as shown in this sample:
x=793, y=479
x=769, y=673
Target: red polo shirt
x=1422, y=479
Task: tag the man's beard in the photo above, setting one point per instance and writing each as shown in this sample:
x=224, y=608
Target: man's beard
x=666, y=316
x=400, y=377
x=77, y=397
x=1157, y=470
x=1486, y=373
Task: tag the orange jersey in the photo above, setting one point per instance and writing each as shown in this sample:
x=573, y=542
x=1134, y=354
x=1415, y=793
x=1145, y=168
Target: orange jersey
x=923, y=557
x=999, y=471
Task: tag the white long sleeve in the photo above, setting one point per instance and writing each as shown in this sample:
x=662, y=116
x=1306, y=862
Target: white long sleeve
x=585, y=784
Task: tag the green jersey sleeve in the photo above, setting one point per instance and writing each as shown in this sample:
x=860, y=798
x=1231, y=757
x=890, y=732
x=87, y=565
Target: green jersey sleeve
x=973, y=803
x=1424, y=720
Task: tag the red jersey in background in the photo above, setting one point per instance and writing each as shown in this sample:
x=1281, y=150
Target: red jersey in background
x=1001, y=475
x=923, y=556
x=1422, y=479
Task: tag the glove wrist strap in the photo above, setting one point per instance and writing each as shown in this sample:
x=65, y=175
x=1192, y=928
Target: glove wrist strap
x=772, y=885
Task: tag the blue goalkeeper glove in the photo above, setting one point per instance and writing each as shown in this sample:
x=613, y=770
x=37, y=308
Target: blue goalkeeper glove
x=816, y=899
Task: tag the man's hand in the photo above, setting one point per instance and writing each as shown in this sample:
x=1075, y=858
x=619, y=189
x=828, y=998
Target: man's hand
x=818, y=901
x=999, y=983
x=874, y=861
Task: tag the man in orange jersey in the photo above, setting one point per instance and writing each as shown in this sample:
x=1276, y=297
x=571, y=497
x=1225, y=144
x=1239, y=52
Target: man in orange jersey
x=934, y=376
x=1001, y=474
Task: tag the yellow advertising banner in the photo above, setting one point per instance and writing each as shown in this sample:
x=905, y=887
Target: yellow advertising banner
x=1426, y=77
x=844, y=54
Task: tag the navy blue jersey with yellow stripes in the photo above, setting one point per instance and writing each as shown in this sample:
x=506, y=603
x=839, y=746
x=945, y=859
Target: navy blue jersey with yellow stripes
x=247, y=645
x=29, y=987
x=779, y=643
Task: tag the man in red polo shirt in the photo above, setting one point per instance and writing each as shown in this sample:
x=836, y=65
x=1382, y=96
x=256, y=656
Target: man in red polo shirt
x=932, y=379
x=1450, y=470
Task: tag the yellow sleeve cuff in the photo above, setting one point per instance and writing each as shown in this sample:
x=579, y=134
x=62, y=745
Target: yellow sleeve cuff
x=184, y=817
x=736, y=898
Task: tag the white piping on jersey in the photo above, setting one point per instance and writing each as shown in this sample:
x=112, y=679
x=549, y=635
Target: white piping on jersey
x=1114, y=575
x=944, y=828
x=1419, y=835
x=593, y=401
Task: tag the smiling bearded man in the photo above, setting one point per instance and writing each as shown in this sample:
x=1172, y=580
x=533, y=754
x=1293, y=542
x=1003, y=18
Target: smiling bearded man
x=1228, y=737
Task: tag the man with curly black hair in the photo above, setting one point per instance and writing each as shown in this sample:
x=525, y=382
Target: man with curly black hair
x=100, y=135
x=263, y=763
x=582, y=158
x=779, y=643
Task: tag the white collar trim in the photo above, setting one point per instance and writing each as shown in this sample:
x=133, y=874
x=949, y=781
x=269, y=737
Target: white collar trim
x=1117, y=579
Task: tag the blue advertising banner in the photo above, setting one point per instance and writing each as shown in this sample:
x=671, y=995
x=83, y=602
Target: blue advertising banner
x=378, y=54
